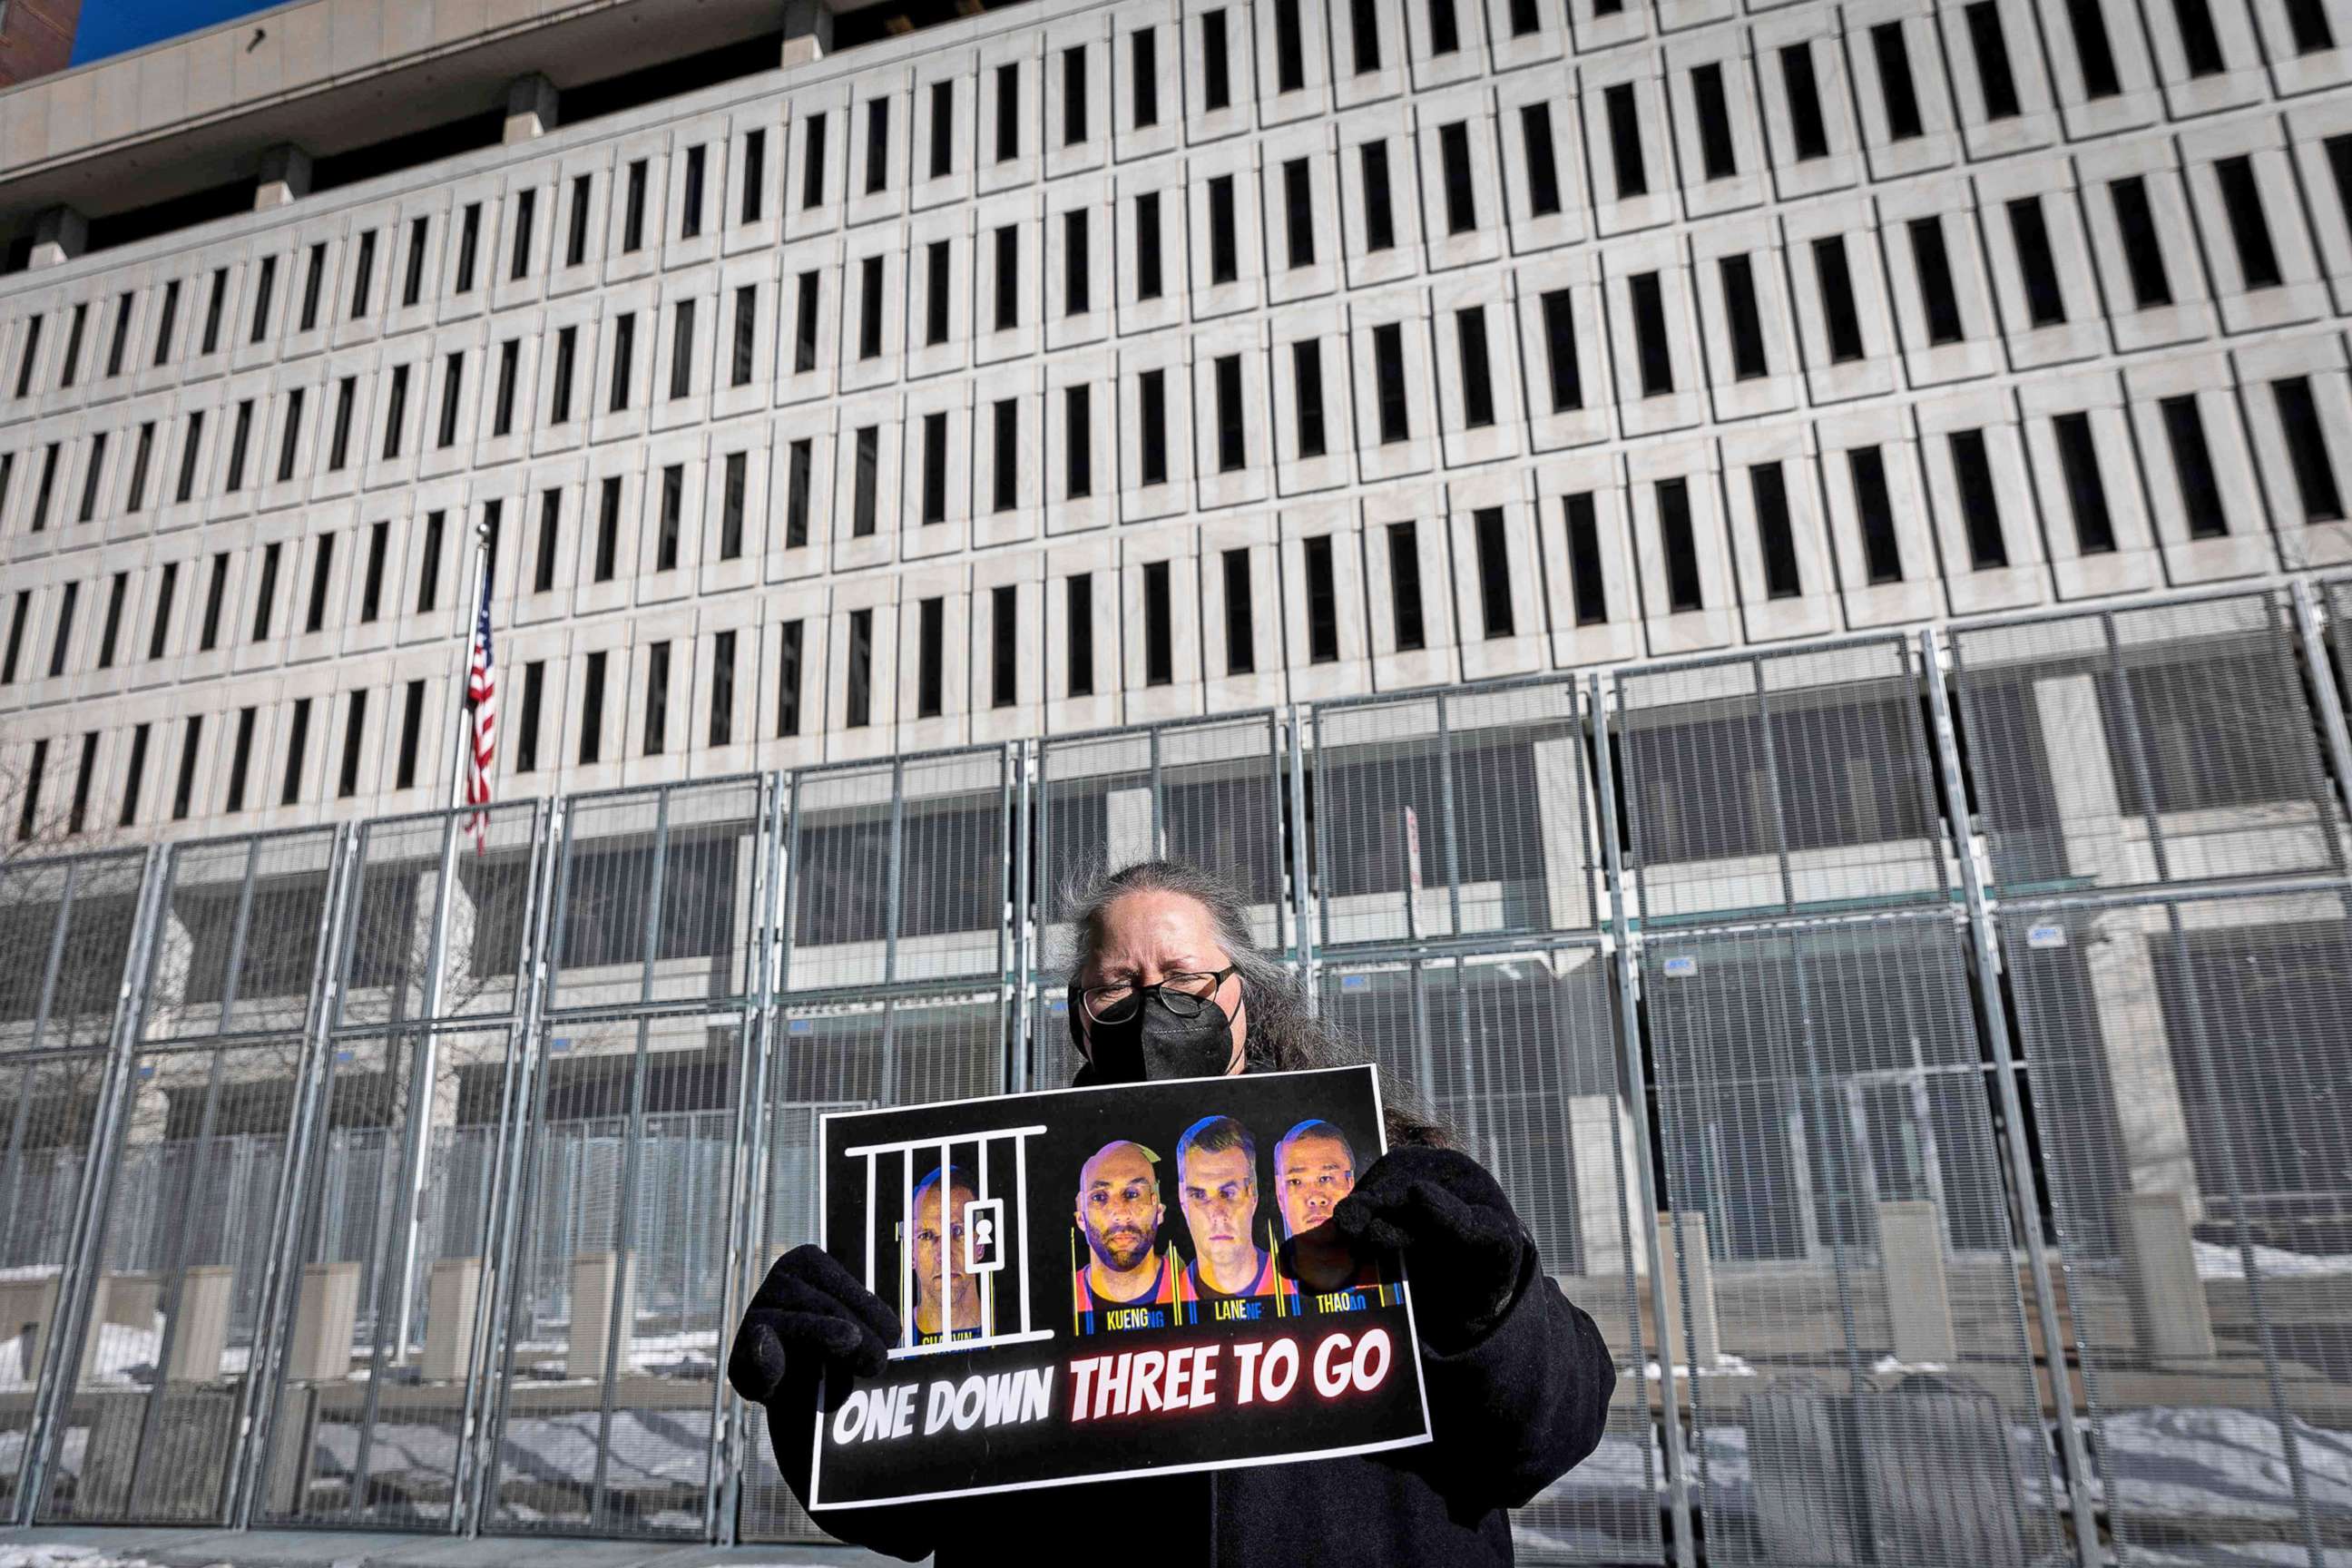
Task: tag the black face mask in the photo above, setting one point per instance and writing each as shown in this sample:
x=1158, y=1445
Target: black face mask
x=1153, y=1045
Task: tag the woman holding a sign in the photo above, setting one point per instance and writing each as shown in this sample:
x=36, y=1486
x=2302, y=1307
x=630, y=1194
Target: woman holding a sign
x=1507, y=1383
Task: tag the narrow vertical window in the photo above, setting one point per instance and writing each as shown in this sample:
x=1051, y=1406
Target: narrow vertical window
x=624, y=352
x=502, y=405
x=1079, y=603
x=1004, y=646
x=20, y=617
x=930, y=656
x=1078, y=442
x=1494, y=572
x=2241, y=199
x=1845, y=325
x=240, y=438
x=314, y=280
x=550, y=517
x=1232, y=447
x=632, y=210
x=681, y=349
x=1322, y=603
x=2086, y=491
x=2044, y=303
x=592, y=710
x=240, y=759
x=1543, y=164
x=1747, y=322
x=2192, y=466
x=2200, y=45
x=575, y=242
x=2308, y=20
x=1769, y=491
x=1299, y=212
x=1152, y=413
x=1477, y=376
x=1364, y=23
x=1388, y=378
x=134, y=777
x=61, y=643
x=298, y=741
x=746, y=337
x=183, y=792
x=412, y=285
x=338, y=441
x=49, y=483
x=412, y=735
x=937, y=294
x=1588, y=588
x=1445, y=29
x=1989, y=45
x=1380, y=208
x=428, y=575
x=1979, y=502
x=1717, y=155
x=1806, y=128
x=790, y=645
x=1158, y=642
x=1145, y=48
x=1649, y=335
x=812, y=164
x=192, y=446
x=1008, y=278
x=860, y=671
x=942, y=129
x=469, y=240
x=804, y=324
x=558, y=401
x=1224, y=246
x=2093, y=49
x=1077, y=264
x=801, y=465
x=1897, y=91
x=453, y=381
x=347, y=781
x=1005, y=489
x=214, y=302
x=120, y=588
x=94, y=472
x=31, y=356
x=1405, y=586
x=322, y=577
x=755, y=175
x=734, y=485
x=877, y=145
x=168, y=319
x=1306, y=381
x=2143, y=251
x=1289, y=48
x=1633, y=176
x=935, y=467
x=534, y=697
x=123, y=312
x=1559, y=351
x=722, y=690
x=869, y=308
x=866, y=480
x=1216, y=69
x=689, y=220
x=2306, y=450
x=657, y=731
x=1147, y=282
x=670, y=522
x=1241, y=639
x=372, y=578
x=1675, y=536
x=1460, y=195
x=1938, y=299
x=77, y=815
x=608, y=528
x=264, y=287
x=1008, y=112
x=1882, y=556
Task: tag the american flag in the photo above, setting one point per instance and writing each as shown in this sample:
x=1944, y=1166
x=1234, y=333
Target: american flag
x=482, y=710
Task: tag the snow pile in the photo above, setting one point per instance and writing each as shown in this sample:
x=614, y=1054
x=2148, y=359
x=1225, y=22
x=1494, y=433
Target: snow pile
x=2216, y=1261
x=45, y=1555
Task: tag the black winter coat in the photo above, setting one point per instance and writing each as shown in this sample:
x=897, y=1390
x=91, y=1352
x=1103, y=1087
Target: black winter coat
x=1509, y=1415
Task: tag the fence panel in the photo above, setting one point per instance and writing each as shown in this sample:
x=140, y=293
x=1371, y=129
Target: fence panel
x=1481, y=801
x=899, y=871
x=1849, y=1291
x=2190, y=1058
x=67, y=929
x=614, y=1335
x=1517, y=1052
x=371, y=1397
x=1780, y=783
x=850, y=1055
x=243, y=934
x=2171, y=743
x=396, y=920
x=1207, y=791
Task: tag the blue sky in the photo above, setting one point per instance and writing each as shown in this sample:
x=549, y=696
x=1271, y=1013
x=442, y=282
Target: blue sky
x=110, y=27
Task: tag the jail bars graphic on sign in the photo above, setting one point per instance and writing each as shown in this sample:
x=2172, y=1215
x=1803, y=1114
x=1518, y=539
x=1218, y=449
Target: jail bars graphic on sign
x=984, y=1247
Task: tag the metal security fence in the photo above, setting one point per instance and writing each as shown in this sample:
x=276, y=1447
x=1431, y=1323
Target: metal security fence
x=1924, y=1055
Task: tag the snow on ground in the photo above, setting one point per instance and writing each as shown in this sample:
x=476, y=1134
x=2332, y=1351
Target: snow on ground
x=46, y=1555
x=2216, y=1261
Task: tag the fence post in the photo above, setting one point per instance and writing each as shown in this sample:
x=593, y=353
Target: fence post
x=1984, y=946
x=2330, y=700
x=1302, y=897
x=262, y=1364
x=1025, y=933
x=1620, y=934
x=61, y=1356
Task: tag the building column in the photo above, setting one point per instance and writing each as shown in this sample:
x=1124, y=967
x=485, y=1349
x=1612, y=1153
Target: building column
x=808, y=31
x=531, y=109
x=285, y=177
x=60, y=234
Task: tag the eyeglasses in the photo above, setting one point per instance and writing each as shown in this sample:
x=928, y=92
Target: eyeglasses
x=1182, y=994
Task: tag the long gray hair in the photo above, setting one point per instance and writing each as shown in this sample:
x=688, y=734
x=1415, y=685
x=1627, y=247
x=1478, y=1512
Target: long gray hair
x=1284, y=1034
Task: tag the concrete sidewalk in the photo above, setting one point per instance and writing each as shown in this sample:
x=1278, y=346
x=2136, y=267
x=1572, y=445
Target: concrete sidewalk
x=361, y=1549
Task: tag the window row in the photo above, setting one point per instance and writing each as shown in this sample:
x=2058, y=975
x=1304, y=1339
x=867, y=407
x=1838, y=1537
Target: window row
x=1710, y=125
x=1974, y=504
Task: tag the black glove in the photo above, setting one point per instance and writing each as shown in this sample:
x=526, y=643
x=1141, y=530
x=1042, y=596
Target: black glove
x=810, y=1314
x=1464, y=1246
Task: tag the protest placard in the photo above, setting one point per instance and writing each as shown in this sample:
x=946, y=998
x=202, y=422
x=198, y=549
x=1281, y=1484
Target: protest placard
x=1107, y=1281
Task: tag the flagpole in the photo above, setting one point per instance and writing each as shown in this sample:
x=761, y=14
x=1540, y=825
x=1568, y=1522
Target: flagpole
x=425, y=1078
